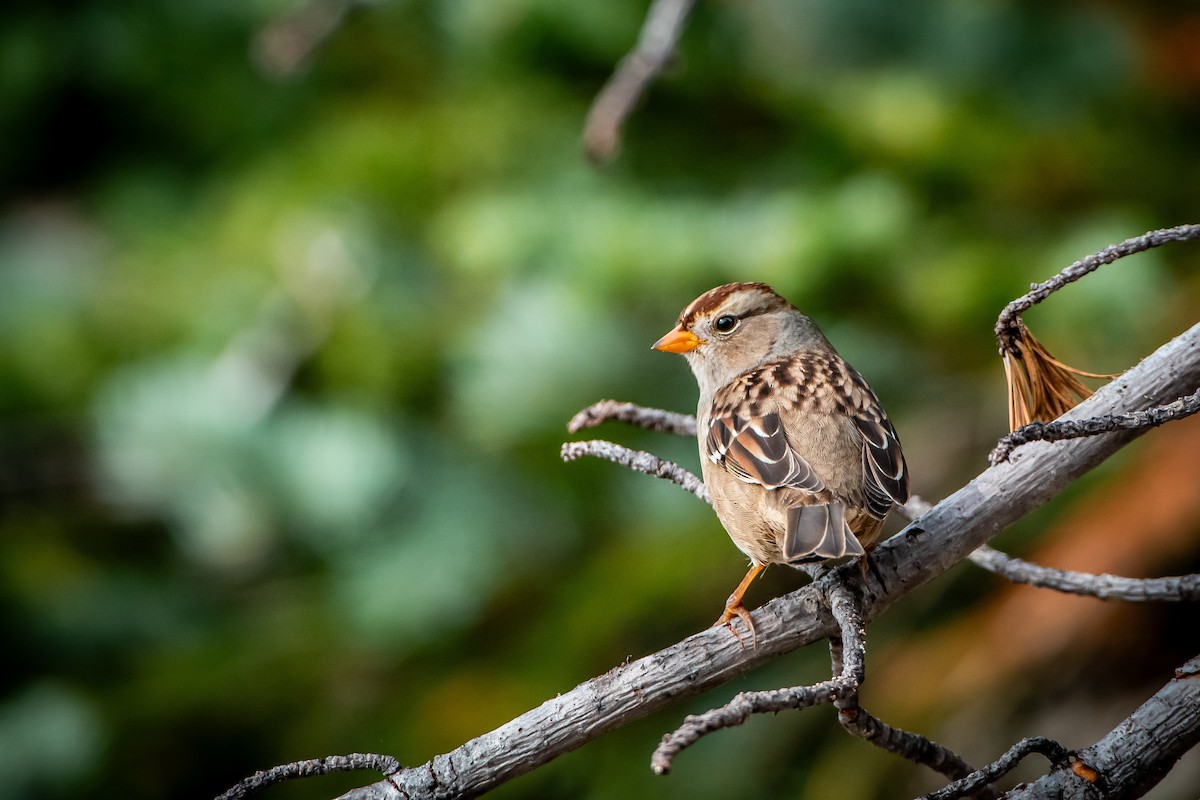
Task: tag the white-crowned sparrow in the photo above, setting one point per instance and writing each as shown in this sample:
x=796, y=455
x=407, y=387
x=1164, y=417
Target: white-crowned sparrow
x=800, y=460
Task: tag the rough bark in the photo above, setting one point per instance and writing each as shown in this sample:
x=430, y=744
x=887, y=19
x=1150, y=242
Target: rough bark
x=944, y=536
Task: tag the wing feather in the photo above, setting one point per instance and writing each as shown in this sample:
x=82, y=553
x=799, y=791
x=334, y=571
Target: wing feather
x=756, y=450
x=884, y=470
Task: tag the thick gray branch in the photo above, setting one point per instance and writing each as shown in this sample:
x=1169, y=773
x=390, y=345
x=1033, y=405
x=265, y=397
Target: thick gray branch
x=1135, y=755
x=942, y=537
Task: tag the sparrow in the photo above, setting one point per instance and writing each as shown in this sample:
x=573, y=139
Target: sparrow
x=800, y=460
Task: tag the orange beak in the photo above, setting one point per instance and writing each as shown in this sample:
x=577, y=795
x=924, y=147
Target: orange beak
x=678, y=341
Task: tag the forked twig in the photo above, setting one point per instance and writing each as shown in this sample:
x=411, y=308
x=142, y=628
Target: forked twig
x=1006, y=325
x=846, y=610
x=911, y=746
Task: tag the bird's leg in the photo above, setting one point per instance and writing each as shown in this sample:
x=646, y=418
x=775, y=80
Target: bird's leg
x=734, y=607
x=865, y=565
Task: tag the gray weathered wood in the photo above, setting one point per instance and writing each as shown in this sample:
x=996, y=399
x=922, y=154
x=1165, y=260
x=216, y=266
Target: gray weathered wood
x=925, y=549
x=1136, y=754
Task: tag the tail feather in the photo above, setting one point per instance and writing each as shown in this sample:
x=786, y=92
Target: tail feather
x=818, y=533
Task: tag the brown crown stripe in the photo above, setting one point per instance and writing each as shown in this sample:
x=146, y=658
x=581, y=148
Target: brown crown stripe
x=711, y=300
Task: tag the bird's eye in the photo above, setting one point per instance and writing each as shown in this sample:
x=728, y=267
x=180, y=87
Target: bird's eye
x=725, y=323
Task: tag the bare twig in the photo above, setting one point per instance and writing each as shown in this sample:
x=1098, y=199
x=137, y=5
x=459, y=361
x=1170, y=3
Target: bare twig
x=1137, y=753
x=310, y=767
x=848, y=675
x=1073, y=429
x=1006, y=324
x=654, y=419
x=906, y=744
x=1106, y=587
x=914, y=508
x=286, y=46
x=655, y=47
x=912, y=746
x=1040, y=387
x=1052, y=750
x=1181, y=588
x=638, y=461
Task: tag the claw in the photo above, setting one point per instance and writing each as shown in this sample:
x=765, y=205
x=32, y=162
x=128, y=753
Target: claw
x=734, y=608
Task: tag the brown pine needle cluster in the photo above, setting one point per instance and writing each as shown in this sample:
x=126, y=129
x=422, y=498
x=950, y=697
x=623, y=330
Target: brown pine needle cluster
x=1040, y=387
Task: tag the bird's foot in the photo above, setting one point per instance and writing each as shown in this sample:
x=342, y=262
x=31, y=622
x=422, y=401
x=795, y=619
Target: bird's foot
x=734, y=608
x=867, y=566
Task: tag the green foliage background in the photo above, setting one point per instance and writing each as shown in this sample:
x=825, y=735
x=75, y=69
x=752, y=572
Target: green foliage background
x=285, y=362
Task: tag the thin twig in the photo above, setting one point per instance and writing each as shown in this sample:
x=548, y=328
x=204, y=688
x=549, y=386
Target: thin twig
x=846, y=611
x=287, y=45
x=906, y=744
x=654, y=419
x=1052, y=750
x=1074, y=429
x=1182, y=588
x=638, y=461
x=310, y=767
x=912, y=746
x=1006, y=325
x=655, y=47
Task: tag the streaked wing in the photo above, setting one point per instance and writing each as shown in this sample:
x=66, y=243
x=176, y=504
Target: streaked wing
x=884, y=470
x=756, y=450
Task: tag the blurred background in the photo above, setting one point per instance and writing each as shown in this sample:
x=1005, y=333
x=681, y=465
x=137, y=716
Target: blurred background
x=296, y=300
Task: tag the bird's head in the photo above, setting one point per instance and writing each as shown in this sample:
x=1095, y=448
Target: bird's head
x=734, y=328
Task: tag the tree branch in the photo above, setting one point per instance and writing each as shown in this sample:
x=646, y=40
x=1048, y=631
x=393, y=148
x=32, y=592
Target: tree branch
x=1104, y=586
x=654, y=419
x=1136, y=754
x=638, y=461
x=1073, y=429
x=1006, y=325
x=1182, y=588
x=943, y=536
x=847, y=677
x=655, y=47
x=310, y=767
x=964, y=787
